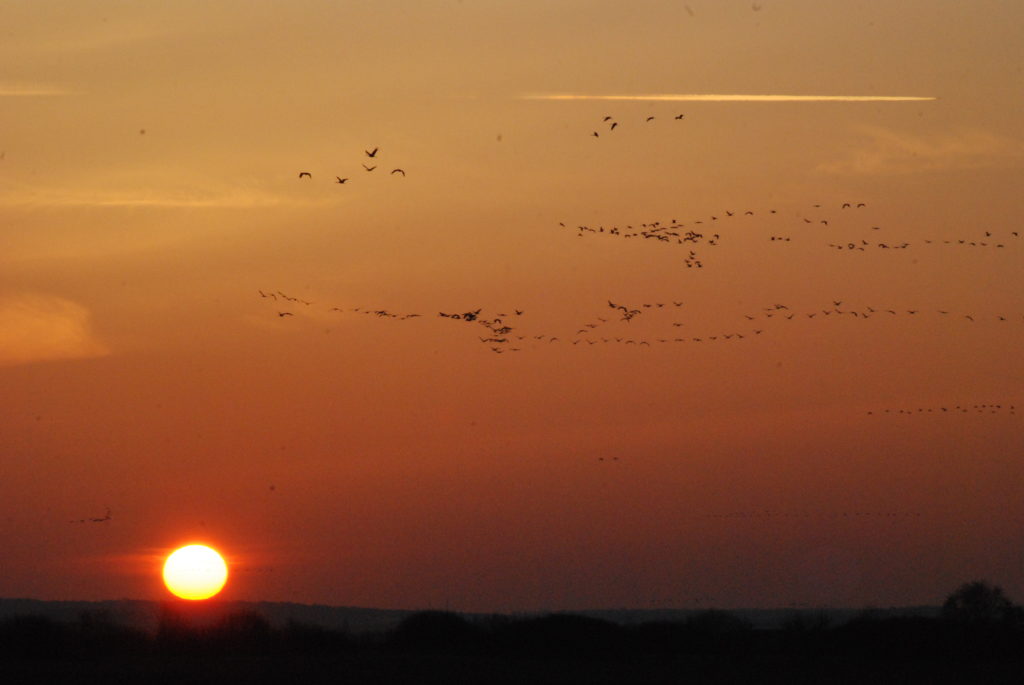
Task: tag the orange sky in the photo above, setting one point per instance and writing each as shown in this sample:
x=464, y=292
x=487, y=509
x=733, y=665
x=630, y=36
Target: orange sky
x=149, y=191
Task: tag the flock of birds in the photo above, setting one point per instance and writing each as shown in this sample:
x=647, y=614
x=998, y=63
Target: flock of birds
x=783, y=312
x=709, y=231
x=611, y=123
x=369, y=168
x=505, y=331
x=95, y=519
x=768, y=515
x=501, y=336
x=954, y=409
x=509, y=331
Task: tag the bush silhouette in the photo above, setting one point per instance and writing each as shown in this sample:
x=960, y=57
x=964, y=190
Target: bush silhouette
x=439, y=630
x=977, y=603
x=35, y=636
x=560, y=635
x=982, y=621
x=243, y=632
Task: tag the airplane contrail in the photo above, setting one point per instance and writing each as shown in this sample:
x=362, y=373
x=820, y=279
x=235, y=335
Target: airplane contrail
x=716, y=97
x=15, y=91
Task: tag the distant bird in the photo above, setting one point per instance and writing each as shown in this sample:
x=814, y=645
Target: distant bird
x=649, y=119
x=398, y=171
x=371, y=153
x=306, y=174
x=340, y=179
x=595, y=134
x=370, y=168
x=679, y=116
x=96, y=519
x=612, y=127
x=607, y=118
x=285, y=314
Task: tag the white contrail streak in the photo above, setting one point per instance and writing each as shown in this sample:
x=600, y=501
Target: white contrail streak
x=715, y=97
x=15, y=91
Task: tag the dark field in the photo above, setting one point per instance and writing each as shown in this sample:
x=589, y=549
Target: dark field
x=965, y=644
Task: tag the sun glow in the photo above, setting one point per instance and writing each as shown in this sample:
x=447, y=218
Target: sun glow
x=195, y=572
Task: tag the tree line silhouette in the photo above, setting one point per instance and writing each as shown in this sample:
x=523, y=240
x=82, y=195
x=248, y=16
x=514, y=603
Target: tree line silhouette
x=979, y=633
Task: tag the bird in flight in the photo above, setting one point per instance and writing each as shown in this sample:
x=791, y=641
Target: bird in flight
x=285, y=314
x=649, y=119
x=371, y=153
x=96, y=519
x=398, y=171
x=340, y=179
x=370, y=168
x=680, y=116
x=306, y=174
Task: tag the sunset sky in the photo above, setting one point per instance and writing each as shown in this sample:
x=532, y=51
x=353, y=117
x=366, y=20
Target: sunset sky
x=726, y=449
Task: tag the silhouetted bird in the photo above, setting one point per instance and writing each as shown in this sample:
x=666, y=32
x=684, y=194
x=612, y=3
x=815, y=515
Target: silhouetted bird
x=398, y=171
x=371, y=153
x=98, y=519
x=340, y=179
x=306, y=174
x=370, y=168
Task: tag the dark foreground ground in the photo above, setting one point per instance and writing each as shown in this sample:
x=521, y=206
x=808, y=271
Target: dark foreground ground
x=449, y=669
x=439, y=647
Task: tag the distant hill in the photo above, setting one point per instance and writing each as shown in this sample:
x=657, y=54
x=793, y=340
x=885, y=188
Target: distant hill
x=146, y=614
x=760, y=619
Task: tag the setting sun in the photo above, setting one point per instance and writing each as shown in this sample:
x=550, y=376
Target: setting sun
x=195, y=572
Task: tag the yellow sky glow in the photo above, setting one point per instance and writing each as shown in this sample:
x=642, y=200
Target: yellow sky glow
x=717, y=97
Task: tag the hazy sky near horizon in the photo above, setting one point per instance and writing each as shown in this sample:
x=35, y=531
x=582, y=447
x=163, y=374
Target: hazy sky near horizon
x=799, y=422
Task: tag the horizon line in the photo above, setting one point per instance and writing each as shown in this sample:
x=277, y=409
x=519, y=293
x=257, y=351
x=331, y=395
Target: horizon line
x=721, y=97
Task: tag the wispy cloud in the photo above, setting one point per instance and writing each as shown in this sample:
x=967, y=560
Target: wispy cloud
x=893, y=152
x=719, y=97
x=242, y=199
x=32, y=91
x=36, y=328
